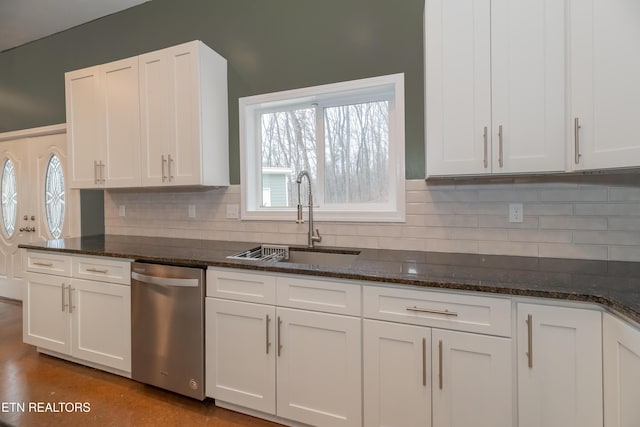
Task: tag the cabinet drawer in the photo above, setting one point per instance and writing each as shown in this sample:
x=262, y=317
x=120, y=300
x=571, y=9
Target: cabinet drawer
x=319, y=295
x=102, y=269
x=47, y=263
x=461, y=312
x=241, y=286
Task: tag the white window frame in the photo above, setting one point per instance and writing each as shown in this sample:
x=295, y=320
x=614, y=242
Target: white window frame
x=390, y=87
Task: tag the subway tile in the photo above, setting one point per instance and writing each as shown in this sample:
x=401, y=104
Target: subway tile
x=450, y=220
x=477, y=234
x=502, y=221
x=589, y=194
x=440, y=245
x=561, y=250
x=573, y=223
x=624, y=223
x=607, y=237
x=624, y=194
x=624, y=253
x=508, y=195
x=541, y=236
x=508, y=248
x=404, y=243
x=548, y=209
x=608, y=209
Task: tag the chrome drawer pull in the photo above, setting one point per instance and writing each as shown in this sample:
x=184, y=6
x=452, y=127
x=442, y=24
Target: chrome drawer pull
x=530, y=340
x=43, y=264
x=268, y=320
x=98, y=270
x=440, y=363
x=424, y=362
x=425, y=310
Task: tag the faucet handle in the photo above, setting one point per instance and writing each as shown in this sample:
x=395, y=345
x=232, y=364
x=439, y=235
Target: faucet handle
x=317, y=237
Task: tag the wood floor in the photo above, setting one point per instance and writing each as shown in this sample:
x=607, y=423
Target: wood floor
x=29, y=378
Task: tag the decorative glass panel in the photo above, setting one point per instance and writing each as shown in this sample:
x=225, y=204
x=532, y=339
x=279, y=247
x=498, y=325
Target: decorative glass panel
x=54, y=197
x=9, y=198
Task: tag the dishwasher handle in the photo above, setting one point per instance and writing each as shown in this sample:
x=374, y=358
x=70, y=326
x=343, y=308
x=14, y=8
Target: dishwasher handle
x=165, y=281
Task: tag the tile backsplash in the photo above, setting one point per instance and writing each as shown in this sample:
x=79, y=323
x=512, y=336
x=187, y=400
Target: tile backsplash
x=574, y=217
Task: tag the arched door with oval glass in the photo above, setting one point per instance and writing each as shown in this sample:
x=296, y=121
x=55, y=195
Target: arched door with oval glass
x=36, y=205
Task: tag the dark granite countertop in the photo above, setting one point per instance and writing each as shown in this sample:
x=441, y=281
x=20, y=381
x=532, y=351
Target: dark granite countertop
x=613, y=284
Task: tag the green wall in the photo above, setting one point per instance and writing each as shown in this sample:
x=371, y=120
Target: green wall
x=270, y=45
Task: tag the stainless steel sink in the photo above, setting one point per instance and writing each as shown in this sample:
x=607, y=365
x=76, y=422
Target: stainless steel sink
x=321, y=258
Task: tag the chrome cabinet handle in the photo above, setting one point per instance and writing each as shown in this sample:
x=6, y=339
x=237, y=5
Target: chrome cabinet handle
x=71, y=306
x=102, y=179
x=63, y=304
x=267, y=333
x=424, y=362
x=97, y=270
x=486, y=146
x=278, y=336
x=576, y=136
x=530, y=340
x=500, y=156
x=95, y=172
x=43, y=264
x=440, y=363
x=426, y=310
x=169, y=162
x=164, y=175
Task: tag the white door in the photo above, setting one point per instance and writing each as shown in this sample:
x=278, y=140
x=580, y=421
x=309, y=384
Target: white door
x=472, y=380
x=559, y=366
x=605, y=64
x=528, y=85
x=458, y=87
x=101, y=323
x=46, y=319
x=241, y=348
x=319, y=368
x=621, y=361
x=397, y=374
x=33, y=208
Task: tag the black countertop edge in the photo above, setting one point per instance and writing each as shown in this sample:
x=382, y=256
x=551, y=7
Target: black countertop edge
x=614, y=285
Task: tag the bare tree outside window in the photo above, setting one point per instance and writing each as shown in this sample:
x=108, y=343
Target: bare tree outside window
x=355, y=166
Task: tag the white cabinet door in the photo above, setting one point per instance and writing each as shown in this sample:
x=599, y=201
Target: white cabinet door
x=184, y=117
x=85, y=126
x=458, y=87
x=397, y=374
x=103, y=117
x=605, y=64
x=621, y=354
x=528, y=85
x=46, y=321
x=559, y=366
x=472, y=380
x=240, y=348
x=121, y=150
x=101, y=325
x=319, y=368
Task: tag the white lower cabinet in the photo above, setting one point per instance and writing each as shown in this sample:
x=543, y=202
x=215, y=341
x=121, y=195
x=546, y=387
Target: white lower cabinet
x=88, y=320
x=621, y=361
x=473, y=380
x=414, y=374
x=241, y=353
x=559, y=366
x=299, y=365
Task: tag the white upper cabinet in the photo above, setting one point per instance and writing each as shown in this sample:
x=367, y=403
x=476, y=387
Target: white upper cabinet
x=605, y=89
x=495, y=86
x=103, y=125
x=151, y=120
x=183, y=97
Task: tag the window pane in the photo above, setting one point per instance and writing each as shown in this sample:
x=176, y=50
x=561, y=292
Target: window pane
x=54, y=197
x=9, y=198
x=288, y=146
x=357, y=153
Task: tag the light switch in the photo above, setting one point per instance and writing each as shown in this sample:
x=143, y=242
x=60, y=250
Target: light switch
x=192, y=211
x=121, y=211
x=233, y=211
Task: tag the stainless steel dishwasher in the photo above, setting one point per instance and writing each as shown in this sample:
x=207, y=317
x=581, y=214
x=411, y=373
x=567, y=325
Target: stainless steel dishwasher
x=167, y=327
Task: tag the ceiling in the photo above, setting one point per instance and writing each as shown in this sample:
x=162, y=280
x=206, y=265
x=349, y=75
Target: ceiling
x=22, y=21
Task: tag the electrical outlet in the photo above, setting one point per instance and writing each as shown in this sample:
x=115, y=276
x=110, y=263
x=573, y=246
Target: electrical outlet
x=516, y=212
x=121, y=211
x=233, y=211
x=192, y=211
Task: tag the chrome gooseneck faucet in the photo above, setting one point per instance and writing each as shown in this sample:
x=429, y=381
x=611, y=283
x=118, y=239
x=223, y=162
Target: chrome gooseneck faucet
x=313, y=236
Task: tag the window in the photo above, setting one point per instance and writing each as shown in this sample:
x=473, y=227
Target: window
x=350, y=138
x=9, y=198
x=54, y=197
